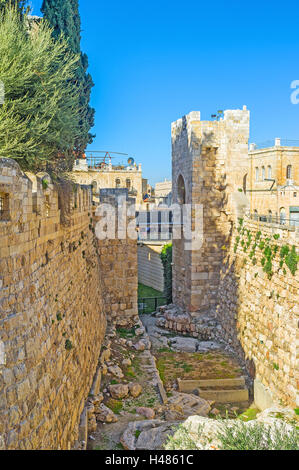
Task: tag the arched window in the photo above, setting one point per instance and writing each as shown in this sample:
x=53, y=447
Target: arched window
x=269, y=171
x=282, y=216
x=117, y=183
x=181, y=190
x=128, y=183
x=289, y=172
x=256, y=215
x=263, y=173
x=256, y=174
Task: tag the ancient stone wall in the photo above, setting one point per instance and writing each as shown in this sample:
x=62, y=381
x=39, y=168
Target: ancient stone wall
x=53, y=305
x=226, y=290
x=118, y=262
x=209, y=160
x=259, y=315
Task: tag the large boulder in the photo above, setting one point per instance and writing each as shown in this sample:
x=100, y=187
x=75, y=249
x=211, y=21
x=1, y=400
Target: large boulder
x=140, y=346
x=147, y=435
x=148, y=413
x=206, y=346
x=182, y=344
x=119, y=391
x=116, y=371
x=202, y=433
x=105, y=415
x=135, y=390
x=187, y=404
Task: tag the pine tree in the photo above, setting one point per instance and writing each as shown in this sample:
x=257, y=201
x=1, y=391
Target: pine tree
x=63, y=16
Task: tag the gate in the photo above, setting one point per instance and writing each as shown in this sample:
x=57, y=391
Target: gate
x=150, y=304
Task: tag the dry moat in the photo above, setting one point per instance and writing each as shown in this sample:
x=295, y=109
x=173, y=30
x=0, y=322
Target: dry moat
x=140, y=403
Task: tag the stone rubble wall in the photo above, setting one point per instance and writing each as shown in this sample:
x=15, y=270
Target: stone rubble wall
x=259, y=316
x=53, y=309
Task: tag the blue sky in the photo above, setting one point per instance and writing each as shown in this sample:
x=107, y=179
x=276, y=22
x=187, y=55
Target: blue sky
x=152, y=62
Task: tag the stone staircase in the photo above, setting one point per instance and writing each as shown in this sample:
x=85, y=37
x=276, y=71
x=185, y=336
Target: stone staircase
x=217, y=390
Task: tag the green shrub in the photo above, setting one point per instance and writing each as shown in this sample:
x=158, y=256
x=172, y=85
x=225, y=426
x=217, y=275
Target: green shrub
x=258, y=436
x=166, y=258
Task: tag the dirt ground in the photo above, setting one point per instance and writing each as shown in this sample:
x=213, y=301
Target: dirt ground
x=188, y=366
x=171, y=366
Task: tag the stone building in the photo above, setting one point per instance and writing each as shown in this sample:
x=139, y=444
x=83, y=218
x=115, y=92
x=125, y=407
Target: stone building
x=163, y=193
x=273, y=183
x=103, y=175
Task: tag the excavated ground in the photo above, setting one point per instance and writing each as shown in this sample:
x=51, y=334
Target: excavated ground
x=164, y=360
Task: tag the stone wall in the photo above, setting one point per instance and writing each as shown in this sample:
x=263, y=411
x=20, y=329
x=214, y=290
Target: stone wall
x=53, y=305
x=259, y=316
x=118, y=263
x=209, y=162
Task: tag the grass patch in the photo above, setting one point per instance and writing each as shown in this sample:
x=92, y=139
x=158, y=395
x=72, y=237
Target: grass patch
x=145, y=291
x=187, y=367
x=137, y=433
x=257, y=437
x=249, y=414
x=126, y=333
x=162, y=350
x=114, y=382
x=238, y=436
x=119, y=446
x=161, y=369
x=148, y=293
x=130, y=372
x=115, y=405
x=194, y=366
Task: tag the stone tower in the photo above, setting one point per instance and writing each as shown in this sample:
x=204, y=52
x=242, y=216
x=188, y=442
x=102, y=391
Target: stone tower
x=210, y=166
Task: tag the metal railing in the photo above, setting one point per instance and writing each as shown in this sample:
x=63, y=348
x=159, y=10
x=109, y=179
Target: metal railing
x=274, y=219
x=150, y=304
x=271, y=143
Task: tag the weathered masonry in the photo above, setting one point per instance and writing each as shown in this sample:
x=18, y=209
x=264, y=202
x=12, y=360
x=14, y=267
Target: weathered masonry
x=208, y=159
x=244, y=277
x=54, y=296
x=258, y=308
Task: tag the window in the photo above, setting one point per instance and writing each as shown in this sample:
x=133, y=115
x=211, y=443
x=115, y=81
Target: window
x=289, y=172
x=128, y=183
x=269, y=171
x=256, y=174
x=117, y=183
x=263, y=173
x=294, y=194
x=4, y=206
x=256, y=216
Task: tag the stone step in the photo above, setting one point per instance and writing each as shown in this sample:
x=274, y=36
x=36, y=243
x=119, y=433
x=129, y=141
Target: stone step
x=224, y=396
x=191, y=385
